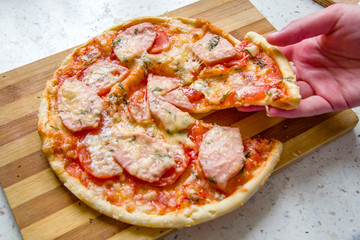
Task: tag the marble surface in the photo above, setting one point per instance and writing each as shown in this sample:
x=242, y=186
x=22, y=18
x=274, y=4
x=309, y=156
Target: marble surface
x=318, y=197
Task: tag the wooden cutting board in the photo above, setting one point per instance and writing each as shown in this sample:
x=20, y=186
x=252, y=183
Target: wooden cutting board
x=327, y=3
x=44, y=209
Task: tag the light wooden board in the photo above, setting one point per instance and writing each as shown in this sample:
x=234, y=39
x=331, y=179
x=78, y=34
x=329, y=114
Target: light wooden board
x=327, y=3
x=44, y=209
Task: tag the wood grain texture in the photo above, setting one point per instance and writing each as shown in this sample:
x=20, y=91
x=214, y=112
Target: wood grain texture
x=45, y=209
x=327, y=3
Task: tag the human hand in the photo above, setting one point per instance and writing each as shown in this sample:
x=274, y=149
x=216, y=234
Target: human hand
x=325, y=50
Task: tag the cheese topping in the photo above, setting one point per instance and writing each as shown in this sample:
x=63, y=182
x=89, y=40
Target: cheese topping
x=101, y=154
x=79, y=107
x=213, y=48
x=170, y=117
x=102, y=75
x=143, y=156
x=134, y=41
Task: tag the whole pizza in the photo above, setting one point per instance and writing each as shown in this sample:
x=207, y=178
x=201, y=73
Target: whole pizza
x=119, y=128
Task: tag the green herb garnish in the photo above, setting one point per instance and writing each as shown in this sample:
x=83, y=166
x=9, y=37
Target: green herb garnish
x=212, y=180
x=213, y=42
x=133, y=138
x=157, y=89
x=54, y=127
x=224, y=96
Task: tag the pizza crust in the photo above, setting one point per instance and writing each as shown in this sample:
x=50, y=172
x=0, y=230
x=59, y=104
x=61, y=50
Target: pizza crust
x=187, y=217
x=288, y=75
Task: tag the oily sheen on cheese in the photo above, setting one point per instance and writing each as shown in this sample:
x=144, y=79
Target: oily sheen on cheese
x=118, y=127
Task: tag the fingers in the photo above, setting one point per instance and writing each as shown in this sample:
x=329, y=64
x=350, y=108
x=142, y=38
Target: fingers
x=311, y=106
x=305, y=89
x=321, y=22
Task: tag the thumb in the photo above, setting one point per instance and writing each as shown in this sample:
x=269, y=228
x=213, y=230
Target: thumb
x=321, y=22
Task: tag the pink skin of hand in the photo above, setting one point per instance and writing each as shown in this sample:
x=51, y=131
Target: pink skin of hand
x=325, y=49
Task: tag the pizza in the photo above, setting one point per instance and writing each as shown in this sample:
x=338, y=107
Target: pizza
x=119, y=127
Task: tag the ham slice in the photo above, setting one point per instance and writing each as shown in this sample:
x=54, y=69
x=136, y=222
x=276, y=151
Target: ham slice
x=170, y=117
x=221, y=155
x=160, y=85
x=178, y=98
x=142, y=156
x=79, y=106
x=213, y=48
x=134, y=41
x=102, y=75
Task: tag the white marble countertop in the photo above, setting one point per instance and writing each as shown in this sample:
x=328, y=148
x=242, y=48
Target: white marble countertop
x=316, y=198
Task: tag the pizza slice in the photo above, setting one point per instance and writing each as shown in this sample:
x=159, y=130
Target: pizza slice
x=117, y=127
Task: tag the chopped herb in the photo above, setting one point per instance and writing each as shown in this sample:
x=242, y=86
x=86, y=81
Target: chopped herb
x=247, y=154
x=54, y=127
x=245, y=50
x=260, y=62
x=133, y=138
x=157, y=89
x=213, y=42
x=146, y=61
x=162, y=155
x=167, y=130
x=136, y=31
x=212, y=180
x=124, y=59
x=91, y=220
x=116, y=41
x=238, y=69
x=224, y=96
x=194, y=173
x=83, y=112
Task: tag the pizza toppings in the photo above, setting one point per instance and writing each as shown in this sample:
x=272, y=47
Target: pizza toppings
x=160, y=85
x=102, y=75
x=178, y=98
x=213, y=48
x=96, y=157
x=161, y=42
x=134, y=41
x=142, y=156
x=139, y=107
x=170, y=117
x=79, y=106
x=125, y=98
x=221, y=155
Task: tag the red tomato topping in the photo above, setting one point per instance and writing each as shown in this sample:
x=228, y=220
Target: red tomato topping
x=173, y=174
x=85, y=162
x=197, y=132
x=192, y=94
x=161, y=42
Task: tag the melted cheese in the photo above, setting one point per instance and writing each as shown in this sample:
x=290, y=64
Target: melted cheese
x=143, y=156
x=79, y=107
x=171, y=118
x=102, y=75
x=101, y=154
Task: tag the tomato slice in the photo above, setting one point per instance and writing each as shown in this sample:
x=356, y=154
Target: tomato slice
x=192, y=94
x=197, y=132
x=138, y=108
x=173, y=174
x=161, y=42
x=85, y=163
